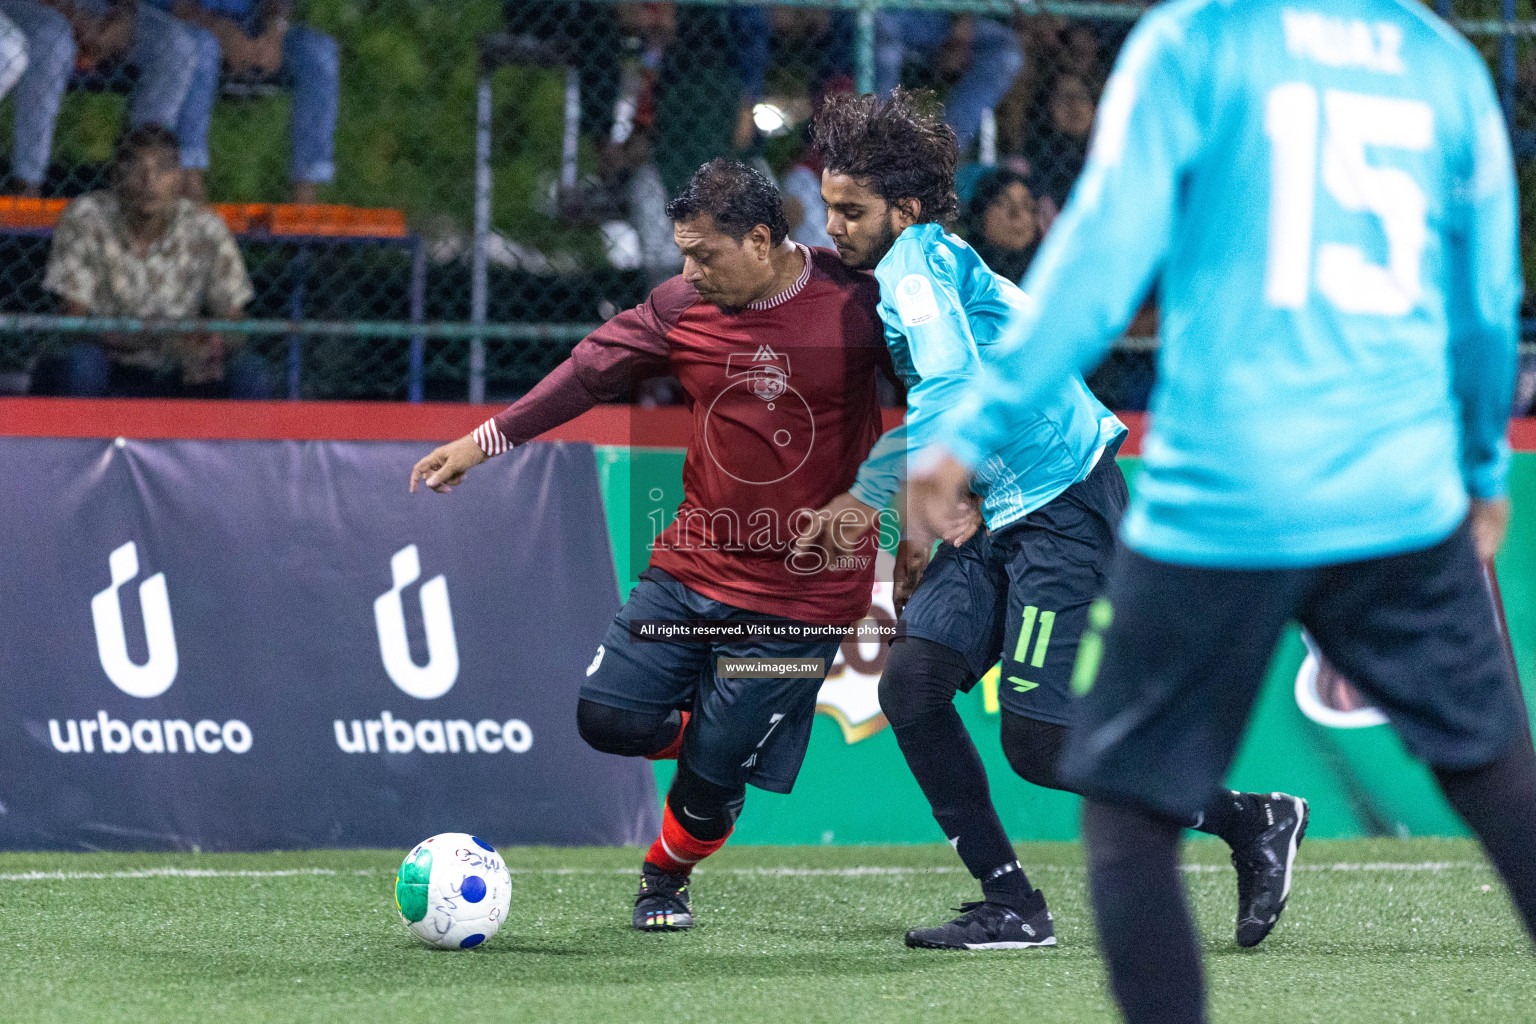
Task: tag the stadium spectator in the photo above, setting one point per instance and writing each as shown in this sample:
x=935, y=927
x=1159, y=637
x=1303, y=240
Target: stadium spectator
x=988, y=50
x=1002, y=222
x=823, y=38
x=1057, y=149
x=13, y=54
x=254, y=40
x=140, y=250
x=803, y=206
x=68, y=36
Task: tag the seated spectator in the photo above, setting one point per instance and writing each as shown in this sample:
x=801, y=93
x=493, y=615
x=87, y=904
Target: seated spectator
x=254, y=40
x=139, y=250
x=1056, y=150
x=1002, y=222
x=13, y=54
x=66, y=36
x=988, y=50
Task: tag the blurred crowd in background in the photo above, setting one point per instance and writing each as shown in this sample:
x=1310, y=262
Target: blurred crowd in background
x=600, y=112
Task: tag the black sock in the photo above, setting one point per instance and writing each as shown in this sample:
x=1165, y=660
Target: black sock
x=948, y=768
x=1232, y=816
x=1144, y=925
x=1498, y=802
x=917, y=694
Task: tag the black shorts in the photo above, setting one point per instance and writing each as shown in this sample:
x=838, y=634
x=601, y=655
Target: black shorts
x=1022, y=594
x=743, y=730
x=1178, y=654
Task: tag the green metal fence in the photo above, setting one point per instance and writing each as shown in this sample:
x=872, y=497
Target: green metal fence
x=530, y=146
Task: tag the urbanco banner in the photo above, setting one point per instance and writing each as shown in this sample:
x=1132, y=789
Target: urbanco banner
x=271, y=644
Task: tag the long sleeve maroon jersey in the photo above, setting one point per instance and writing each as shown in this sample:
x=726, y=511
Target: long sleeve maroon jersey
x=784, y=403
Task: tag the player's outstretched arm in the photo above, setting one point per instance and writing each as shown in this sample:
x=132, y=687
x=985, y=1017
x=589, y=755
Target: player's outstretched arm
x=601, y=368
x=444, y=468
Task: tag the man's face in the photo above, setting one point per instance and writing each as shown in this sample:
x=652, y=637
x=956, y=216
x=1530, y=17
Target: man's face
x=726, y=273
x=149, y=182
x=861, y=224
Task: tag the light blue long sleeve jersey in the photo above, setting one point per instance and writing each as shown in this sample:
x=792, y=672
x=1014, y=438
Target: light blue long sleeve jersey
x=943, y=311
x=1323, y=195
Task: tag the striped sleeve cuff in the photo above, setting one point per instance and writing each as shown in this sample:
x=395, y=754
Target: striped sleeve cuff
x=490, y=438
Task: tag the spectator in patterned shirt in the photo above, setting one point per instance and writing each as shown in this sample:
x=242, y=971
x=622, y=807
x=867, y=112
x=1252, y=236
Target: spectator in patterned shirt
x=139, y=250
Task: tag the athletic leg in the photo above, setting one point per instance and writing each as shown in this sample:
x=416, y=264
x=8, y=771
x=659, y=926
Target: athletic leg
x=695, y=822
x=1418, y=635
x=1498, y=802
x=917, y=693
x=1148, y=937
x=1168, y=671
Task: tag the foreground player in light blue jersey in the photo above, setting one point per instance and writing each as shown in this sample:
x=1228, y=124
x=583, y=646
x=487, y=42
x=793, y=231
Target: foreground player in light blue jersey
x=1019, y=590
x=1323, y=197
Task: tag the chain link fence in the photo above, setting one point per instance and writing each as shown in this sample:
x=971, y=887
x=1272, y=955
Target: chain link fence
x=433, y=199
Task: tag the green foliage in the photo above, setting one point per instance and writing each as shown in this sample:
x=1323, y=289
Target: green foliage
x=406, y=131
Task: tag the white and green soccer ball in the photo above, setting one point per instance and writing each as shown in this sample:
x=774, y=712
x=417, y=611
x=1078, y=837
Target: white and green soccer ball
x=453, y=891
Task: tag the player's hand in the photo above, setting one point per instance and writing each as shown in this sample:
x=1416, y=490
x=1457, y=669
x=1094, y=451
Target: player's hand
x=940, y=504
x=911, y=560
x=838, y=527
x=1490, y=521
x=444, y=469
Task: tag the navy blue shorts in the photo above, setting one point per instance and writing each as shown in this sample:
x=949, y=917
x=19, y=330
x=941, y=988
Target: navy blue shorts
x=752, y=730
x=1022, y=594
x=1177, y=655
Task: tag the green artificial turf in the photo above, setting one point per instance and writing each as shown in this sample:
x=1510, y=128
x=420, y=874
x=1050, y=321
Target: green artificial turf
x=1380, y=930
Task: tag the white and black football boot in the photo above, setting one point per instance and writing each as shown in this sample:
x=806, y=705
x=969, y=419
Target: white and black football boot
x=988, y=926
x=1265, y=864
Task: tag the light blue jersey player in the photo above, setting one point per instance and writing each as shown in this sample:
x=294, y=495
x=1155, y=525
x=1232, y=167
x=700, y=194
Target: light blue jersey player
x=1020, y=591
x=1323, y=197
x=944, y=310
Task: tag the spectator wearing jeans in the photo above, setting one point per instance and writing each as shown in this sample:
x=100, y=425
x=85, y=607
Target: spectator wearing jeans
x=990, y=50
x=140, y=250
x=13, y=54
x=63, y=35
x=254, y=39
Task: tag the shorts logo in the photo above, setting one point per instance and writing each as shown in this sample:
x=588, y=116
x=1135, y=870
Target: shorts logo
x=155, y=676
x=437, y=676
x=915, y=301
x=597, y=661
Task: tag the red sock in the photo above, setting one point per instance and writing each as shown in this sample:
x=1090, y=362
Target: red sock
x=671, y=750
x=675, y=851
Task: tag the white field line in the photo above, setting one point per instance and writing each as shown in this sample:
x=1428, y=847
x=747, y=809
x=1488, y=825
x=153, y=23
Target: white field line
x=1430, y=866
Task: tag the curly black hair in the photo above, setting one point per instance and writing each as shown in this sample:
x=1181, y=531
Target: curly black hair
x=900, y=148
x=738, y=197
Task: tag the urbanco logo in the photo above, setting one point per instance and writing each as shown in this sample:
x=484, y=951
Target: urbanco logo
x=156, y=675
x=437, y=676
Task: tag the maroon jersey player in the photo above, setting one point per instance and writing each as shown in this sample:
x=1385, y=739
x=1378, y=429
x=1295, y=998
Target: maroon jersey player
x=778, y=348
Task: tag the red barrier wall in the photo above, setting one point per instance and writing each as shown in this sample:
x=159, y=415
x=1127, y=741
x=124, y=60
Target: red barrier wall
x=388, y=421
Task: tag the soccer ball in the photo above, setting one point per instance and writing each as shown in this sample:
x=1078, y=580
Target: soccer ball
x=453, y=891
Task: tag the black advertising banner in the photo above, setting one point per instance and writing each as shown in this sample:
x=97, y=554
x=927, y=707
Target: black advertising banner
x=269, y=644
